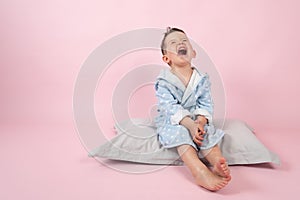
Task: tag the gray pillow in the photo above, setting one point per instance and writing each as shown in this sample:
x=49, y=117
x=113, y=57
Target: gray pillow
x=137, y=141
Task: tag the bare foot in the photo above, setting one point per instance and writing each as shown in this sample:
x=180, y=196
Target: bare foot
x=210, y=181
x=221, y=169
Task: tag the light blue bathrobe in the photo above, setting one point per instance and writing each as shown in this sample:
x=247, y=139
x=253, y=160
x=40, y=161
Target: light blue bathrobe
x=175, y=101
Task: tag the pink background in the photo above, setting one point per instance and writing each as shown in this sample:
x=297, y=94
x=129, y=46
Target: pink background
x=254, y=44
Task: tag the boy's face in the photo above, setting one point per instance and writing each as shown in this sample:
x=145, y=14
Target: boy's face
x=179, y=51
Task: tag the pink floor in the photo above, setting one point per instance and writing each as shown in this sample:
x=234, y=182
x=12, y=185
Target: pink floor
x=50, y=163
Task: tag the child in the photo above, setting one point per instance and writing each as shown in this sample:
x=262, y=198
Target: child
x=185, y=112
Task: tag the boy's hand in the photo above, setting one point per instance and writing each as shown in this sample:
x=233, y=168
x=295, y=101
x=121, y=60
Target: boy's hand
x=193, y=127
x=196, y=133
x=201, y=121
x=198, y=137
x=201, y=128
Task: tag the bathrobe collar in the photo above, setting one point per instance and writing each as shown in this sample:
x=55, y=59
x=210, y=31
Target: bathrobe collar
x=171, y=78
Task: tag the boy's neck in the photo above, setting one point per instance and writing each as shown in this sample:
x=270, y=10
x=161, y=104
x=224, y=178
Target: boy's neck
x=183, y=73
x=187, y=69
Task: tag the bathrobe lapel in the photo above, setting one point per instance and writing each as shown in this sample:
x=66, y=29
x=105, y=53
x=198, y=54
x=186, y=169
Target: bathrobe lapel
x=187, y=92
x=191, y=87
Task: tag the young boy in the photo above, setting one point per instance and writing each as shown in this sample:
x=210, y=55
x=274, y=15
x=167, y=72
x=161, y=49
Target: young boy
x=185, y=112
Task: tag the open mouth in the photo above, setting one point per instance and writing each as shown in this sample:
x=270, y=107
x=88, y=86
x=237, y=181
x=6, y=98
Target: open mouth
x=182, y=51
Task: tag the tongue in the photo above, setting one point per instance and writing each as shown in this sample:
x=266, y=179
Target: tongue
x=182, y=52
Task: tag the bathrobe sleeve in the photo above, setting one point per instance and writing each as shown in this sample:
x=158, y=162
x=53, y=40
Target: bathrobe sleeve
x=204, y=104
x=168, y=105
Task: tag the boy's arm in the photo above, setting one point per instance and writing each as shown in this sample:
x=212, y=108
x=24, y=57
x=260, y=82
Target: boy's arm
x=204, y=104
x=169, y=106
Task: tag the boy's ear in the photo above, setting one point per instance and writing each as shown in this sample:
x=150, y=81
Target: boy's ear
x=166, y=59
x=194, y=53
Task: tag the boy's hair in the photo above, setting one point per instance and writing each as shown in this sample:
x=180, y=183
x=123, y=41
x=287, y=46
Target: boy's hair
x=169, y=30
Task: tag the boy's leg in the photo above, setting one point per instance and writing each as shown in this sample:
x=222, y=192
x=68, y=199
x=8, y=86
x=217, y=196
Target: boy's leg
x=203, y=176
x=216, y=159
